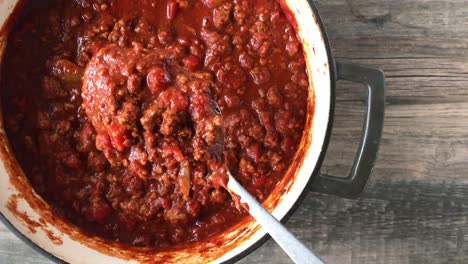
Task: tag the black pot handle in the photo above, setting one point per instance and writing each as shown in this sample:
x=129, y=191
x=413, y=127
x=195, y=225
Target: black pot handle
x=353, y=185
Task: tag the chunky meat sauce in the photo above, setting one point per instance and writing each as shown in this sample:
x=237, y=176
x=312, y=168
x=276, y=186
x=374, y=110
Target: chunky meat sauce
x=107, y=108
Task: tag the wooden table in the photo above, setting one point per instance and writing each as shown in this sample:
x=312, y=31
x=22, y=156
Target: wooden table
x=415, y=207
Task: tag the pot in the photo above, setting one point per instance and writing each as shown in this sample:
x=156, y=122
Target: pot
x=28, y=216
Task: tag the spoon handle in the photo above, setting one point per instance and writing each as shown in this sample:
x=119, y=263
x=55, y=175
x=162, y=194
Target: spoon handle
x=297, y=251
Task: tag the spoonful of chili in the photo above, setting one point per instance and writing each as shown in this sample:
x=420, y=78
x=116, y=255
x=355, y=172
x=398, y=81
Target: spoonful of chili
x=295, y=249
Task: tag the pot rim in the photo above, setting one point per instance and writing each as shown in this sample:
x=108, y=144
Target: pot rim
x=293, y=208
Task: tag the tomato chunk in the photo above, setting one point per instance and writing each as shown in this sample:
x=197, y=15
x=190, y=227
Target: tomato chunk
x=158, y=79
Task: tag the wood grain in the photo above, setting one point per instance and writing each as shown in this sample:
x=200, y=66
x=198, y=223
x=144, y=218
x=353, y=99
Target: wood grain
x=415, y=208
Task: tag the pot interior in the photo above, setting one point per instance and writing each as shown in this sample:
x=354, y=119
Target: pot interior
x=28, y=213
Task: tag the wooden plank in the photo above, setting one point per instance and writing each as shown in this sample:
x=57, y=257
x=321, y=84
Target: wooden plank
x=408, y=18
x=13, y=250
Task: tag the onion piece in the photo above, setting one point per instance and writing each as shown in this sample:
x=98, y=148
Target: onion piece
x=183, y=180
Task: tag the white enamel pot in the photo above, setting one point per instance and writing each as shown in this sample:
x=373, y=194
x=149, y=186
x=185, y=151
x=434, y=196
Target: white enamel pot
x=28, y=216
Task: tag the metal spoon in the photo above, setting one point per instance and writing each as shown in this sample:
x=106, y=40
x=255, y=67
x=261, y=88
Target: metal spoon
x=295, y=249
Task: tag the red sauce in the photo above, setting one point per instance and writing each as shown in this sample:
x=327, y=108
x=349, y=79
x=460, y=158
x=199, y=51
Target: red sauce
x=103, y=106
x=32, y=225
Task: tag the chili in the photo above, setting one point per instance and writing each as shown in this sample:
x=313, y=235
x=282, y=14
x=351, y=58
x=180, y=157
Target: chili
x=105, y=108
